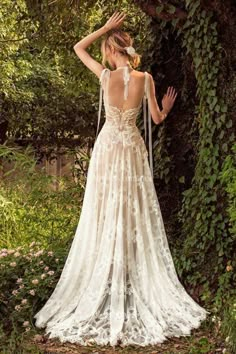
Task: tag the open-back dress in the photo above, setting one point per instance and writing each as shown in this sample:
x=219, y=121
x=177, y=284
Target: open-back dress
x=119, y=283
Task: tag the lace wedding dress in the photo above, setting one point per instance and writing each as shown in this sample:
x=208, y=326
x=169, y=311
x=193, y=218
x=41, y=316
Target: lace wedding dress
x=119, y=283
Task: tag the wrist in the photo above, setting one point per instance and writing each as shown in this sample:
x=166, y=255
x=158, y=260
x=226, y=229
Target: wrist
x=105, y=28
x=164, y=114
x=165, y=111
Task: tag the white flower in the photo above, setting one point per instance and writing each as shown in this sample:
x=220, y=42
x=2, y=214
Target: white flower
x=51, y=272
x=35, y=281
x=26, y=323
x=43, y=276
x=37, y=254
x=32, y=292
x=13, y=264
x=130, y=50
x=19, y=280
x=24, y=301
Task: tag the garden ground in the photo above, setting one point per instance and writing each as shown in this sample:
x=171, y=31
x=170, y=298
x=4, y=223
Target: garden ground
x=201, y=341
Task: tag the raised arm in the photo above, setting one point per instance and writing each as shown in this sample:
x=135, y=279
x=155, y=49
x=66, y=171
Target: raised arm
x=167, y=102
x=80, y=47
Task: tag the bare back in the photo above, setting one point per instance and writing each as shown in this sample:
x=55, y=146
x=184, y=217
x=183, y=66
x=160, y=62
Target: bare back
x=124, y=89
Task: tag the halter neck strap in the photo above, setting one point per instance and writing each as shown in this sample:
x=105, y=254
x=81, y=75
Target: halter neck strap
x=101, y=93
x=126, y=76
x=145, y=105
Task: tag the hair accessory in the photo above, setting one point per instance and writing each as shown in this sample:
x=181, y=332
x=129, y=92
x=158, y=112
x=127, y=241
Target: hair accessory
x=130, y=50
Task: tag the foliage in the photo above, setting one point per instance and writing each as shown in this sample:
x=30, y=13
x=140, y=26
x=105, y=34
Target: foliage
x=27, y=277
x=48, y=97
x=30, y=208
x=205, y=223
x=228, y=178
x=228, y=328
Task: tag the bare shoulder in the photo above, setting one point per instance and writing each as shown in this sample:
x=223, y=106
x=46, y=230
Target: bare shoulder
x=142, y=73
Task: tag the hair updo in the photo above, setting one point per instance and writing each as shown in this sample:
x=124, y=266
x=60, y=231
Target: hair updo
x=118, y=40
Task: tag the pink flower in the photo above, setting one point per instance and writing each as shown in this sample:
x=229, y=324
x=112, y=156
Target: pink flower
x=21, y=286
x=46, y=268
x=14, y=292
x=41, y=262
x=26, y=323
x=19, y=280
x=51, y=272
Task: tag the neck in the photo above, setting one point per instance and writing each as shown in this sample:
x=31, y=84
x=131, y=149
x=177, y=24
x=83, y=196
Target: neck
x=123, y=65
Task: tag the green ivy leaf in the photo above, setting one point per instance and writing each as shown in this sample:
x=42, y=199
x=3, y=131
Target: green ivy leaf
x=159, y=9
x=171, y=9
x=229, y=123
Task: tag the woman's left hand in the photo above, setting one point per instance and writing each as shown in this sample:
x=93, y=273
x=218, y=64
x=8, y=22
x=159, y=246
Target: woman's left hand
x=115, y=20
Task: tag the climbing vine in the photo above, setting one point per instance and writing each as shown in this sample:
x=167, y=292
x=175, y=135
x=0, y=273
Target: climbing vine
x=204, y=221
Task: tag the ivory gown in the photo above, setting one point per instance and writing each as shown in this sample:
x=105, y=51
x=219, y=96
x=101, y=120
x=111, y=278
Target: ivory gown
x=119, y=283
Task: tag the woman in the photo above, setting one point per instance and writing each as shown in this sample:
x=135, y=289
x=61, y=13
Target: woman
x=119, y=284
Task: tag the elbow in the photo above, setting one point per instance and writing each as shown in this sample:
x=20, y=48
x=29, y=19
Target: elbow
x=157, y=120
x=76, y=47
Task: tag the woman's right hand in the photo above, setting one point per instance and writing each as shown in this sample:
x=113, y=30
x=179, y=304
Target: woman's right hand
x=168, y=99
x=115, y=21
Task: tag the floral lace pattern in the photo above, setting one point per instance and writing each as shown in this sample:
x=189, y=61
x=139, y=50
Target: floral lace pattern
x=119, y=281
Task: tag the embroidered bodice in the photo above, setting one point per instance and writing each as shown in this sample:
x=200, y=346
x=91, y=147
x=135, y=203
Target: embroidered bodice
x=120, y=124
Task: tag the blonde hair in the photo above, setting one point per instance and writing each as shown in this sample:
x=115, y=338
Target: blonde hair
x=118, y=40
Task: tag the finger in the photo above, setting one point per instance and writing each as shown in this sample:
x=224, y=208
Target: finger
x=122, y=19
x=120, y=16
x=114, y=14
x=172, y=92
